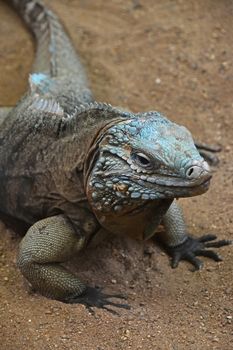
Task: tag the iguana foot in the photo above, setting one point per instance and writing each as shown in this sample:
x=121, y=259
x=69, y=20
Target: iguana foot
x=208, y=152
x=193, y=247
x=93, y=297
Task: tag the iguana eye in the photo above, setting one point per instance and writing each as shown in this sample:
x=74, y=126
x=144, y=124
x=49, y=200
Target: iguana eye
x=141, y=159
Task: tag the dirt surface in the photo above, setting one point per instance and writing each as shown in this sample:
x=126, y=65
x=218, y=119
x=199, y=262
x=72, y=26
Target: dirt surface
x=175, y=57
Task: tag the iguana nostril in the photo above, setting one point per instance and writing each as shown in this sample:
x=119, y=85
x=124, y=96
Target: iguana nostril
x=190, y=171
x=193, y=172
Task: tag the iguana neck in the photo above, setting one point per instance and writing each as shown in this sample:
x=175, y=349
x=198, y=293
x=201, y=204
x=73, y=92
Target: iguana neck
x=87, y=126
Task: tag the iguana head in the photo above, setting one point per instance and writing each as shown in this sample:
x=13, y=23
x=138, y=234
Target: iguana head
x=146, y=158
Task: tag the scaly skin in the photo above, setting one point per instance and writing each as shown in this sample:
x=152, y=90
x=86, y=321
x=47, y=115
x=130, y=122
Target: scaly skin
x=69, y=165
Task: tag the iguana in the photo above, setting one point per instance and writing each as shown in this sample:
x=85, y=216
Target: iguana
x=70, y=165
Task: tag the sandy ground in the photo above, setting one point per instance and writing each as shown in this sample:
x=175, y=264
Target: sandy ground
x=174, y=56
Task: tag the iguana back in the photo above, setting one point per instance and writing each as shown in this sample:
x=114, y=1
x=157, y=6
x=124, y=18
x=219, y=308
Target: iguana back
x=44, y=140
x=30, y=134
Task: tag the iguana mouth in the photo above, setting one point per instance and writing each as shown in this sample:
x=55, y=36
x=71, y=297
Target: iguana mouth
x=184, y=188
x=181, y=183
x=164, y=181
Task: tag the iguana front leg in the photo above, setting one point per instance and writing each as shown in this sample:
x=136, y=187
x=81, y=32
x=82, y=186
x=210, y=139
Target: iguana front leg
x=181, y=246
x=47, y=244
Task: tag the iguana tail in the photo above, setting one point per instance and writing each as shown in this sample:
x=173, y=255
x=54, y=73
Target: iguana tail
x=55, y=55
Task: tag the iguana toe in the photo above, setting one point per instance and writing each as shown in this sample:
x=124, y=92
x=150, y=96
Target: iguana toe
x=193, y=247
x=208, y=152
x=93, y=297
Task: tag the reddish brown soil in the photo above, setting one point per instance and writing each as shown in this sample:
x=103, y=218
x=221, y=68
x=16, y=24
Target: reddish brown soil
x=174, y=56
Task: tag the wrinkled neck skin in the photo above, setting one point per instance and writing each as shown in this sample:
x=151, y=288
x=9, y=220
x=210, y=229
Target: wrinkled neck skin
x=122, y=183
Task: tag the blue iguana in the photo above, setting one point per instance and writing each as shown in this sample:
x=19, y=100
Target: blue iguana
x=70, y=165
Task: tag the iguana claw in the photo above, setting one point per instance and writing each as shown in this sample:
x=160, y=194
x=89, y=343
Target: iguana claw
x=93, y=297
x=208, y=152
x=193, y=247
